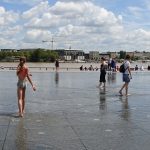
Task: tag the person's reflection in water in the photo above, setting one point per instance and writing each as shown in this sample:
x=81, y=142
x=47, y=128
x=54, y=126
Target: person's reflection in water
x=125, y=108
x=102, y=94
x=56, y=78
x=21, y=136
x=111, y=78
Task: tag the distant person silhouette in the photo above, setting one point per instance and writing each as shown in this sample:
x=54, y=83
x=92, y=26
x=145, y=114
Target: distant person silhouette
x=57, y=64
x=136, y=68
x=81, y=68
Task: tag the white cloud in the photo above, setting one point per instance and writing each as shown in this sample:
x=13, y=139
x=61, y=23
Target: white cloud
x=7, y=17
x=9, y=28
x=27, y=2
x=82, y=24
x=12, y=31
x=36, y=11
x=146, y=4
x=36, y=35
x=77, y=14
x=75, y=0
x=136, y=11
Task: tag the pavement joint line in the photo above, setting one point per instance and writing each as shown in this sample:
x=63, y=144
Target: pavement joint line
x=6, y=134
x=65, y=115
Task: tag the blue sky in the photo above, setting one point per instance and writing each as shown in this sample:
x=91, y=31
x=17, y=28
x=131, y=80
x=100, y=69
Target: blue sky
x=90, y=25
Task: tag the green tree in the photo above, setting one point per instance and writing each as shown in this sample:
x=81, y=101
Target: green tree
x=122, y=54
x=27, y=54
x=36, y=55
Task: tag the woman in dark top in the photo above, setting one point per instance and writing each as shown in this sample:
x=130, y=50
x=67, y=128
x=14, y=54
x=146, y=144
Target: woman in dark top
x=102, y=73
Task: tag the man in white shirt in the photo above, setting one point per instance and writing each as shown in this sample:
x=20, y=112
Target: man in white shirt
x=126, y=76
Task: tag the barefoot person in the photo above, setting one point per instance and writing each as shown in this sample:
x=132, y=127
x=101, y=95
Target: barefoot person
x=126, y=76
x=102, y=73
x=23, y=74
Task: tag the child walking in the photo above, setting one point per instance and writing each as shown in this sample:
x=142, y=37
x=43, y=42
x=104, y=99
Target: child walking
x=102, y=73
x=23, y=75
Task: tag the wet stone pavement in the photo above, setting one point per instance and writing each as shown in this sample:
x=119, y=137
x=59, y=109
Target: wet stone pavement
x=68, y=112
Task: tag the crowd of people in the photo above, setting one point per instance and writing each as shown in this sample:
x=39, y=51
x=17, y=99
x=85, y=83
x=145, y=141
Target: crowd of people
x=141, y=68
x=111, y=66
x=126, y=74
x=91, y=68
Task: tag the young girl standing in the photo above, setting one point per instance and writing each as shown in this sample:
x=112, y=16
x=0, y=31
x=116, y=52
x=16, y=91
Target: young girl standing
x=23, y=75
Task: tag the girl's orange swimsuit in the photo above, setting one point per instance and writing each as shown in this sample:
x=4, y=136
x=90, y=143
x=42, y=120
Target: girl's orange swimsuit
x=22, y=77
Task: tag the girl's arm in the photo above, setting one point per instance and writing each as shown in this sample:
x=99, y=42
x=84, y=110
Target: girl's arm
x=18, y=69
x=28, y=77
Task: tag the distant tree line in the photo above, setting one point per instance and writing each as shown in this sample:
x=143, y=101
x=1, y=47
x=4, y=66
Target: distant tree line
x=42, y=55
x=123, y=55
x=38, y=55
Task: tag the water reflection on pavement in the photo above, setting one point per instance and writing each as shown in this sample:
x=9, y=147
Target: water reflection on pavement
x=68, y=111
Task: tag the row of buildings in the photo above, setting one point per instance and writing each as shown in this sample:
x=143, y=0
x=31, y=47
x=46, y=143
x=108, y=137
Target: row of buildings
x=80, y=55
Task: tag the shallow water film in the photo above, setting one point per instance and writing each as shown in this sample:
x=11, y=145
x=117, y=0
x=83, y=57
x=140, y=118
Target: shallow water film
x=69, y=112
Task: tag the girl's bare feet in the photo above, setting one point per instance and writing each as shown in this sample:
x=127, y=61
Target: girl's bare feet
x=120, y=92
x=20, y=114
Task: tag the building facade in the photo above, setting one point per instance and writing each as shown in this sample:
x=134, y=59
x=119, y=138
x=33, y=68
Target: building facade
x=94, y=55
x=71, y=55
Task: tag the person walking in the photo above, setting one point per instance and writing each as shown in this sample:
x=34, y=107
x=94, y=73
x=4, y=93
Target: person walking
x=23, y=75
x=126, y=76
x=57, y=64
x=113, y=65
x=103, y=69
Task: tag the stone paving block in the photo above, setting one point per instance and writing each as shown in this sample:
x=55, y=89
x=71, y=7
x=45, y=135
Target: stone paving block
x=42, y=119
x=1, y=144
x=4, y=119
x=47, y=145
x=24, y=145
x=122, y=143
x=107, y=131
x=70, y=144
x=51, y=132
x=3, y=132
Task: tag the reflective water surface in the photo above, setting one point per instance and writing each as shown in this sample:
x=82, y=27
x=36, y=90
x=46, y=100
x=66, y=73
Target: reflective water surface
x=67, y=103
x=60, y=89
